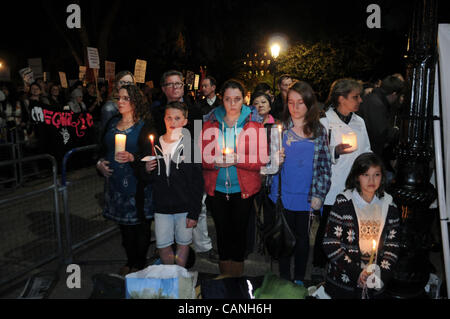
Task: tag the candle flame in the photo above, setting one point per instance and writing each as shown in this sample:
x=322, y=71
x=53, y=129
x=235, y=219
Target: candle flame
x=280, y=128
x=374, y=242
x=151, y=138
x=227, y=151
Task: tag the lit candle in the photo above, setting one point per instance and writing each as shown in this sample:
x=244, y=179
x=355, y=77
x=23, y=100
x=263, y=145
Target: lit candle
x=227, y=151
x=350, y=139
x=152, y=140
x=280, y=132
x=121, y=140
x=374, y=249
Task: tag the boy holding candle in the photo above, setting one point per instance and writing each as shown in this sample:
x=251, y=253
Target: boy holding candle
x=177, y=186
x=362, y=234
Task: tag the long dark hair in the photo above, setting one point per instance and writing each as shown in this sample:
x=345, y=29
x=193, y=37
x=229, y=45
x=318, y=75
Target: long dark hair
x=138, y=102
x=312, y=116
x=361, y=165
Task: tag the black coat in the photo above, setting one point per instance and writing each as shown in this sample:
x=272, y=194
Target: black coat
x=205, y=108
x=181, y=191
x=158, y=109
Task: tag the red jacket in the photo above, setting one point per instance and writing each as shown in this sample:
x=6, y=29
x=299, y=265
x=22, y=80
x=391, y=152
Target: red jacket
x=252, y=154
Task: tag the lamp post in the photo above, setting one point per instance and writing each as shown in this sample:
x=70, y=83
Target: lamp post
x=412, y=191
x=275, y=51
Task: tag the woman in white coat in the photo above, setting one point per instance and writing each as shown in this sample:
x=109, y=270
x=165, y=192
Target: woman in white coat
x=340, y=119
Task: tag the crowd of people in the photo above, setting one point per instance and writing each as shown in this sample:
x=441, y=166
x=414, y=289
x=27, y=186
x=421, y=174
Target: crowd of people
x=172, y=173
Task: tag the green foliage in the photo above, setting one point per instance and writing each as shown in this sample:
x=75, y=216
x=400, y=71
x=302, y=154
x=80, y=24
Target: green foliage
x=322, y=63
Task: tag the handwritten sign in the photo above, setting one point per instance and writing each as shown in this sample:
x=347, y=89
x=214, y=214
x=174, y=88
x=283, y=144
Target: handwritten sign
x=93, y=58
x=27, y=75
x=63, y=80
x=139, y=71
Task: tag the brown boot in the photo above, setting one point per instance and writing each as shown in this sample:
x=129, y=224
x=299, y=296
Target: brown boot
x=237, y=268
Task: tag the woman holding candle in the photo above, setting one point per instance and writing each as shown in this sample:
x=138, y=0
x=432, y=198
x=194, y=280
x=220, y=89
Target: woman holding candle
x=343, y=127
x=363, y=228
x=128, y=200
x=110, y=108
x=232, y=153
x=305, y=174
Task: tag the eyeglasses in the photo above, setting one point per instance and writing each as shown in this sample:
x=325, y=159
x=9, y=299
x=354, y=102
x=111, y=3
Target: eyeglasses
x=124, y=98
x=177, y=85
x=122, y=83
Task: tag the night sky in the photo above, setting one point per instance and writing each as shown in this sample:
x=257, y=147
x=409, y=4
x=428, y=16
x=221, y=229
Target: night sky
x=215, y=33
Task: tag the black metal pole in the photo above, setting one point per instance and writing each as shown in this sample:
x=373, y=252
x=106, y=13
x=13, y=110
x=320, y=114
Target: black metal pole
x=412, y=190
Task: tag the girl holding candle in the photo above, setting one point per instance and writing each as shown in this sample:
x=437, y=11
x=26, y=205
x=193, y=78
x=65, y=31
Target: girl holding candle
x=128, y=200
x=343, y=127
x=363, y=228
x=232, y=180
x=305, y=174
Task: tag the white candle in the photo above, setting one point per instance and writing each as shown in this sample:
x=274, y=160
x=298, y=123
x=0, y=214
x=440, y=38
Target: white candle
x=121, y=140
x=350, y=139
x=280, y=131
x=374, y=249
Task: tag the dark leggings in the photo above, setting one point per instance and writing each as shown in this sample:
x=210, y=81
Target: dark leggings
x=320, y=259
x=136, y=241
x=231, y=218
x=298, y=222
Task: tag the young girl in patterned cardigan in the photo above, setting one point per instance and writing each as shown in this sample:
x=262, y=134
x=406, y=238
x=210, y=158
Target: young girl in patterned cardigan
x=364, y=221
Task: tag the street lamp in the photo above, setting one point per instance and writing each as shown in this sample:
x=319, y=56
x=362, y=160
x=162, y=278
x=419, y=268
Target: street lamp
x=275, y=51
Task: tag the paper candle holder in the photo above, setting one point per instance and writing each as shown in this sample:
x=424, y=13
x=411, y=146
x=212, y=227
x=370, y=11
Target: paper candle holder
x=351, y=139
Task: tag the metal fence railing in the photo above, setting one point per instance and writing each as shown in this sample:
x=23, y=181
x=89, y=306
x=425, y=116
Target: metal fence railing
x=82, y=197
x=30, y=225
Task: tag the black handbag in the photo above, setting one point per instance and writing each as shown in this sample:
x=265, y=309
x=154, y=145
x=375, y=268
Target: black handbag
x=278, y=238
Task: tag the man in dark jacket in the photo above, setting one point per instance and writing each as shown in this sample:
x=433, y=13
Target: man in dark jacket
x=379, y=112
x=172, y=86
x=210, y=99
x=278, y=105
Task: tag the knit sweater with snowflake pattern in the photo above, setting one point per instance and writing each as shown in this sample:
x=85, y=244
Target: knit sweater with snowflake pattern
x=341, y=245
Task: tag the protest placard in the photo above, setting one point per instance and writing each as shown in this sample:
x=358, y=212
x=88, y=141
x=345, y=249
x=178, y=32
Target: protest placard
x=110, y=71
x=197, y=81
x=139, y=71
x=190, y=78
x=63, y=80
x=93, y=58
x=27, y=75
x=82, y=73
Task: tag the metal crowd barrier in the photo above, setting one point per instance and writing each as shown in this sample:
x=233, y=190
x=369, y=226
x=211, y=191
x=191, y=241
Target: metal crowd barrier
x=30, y=226
x=82, y=198
x=20, y=171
